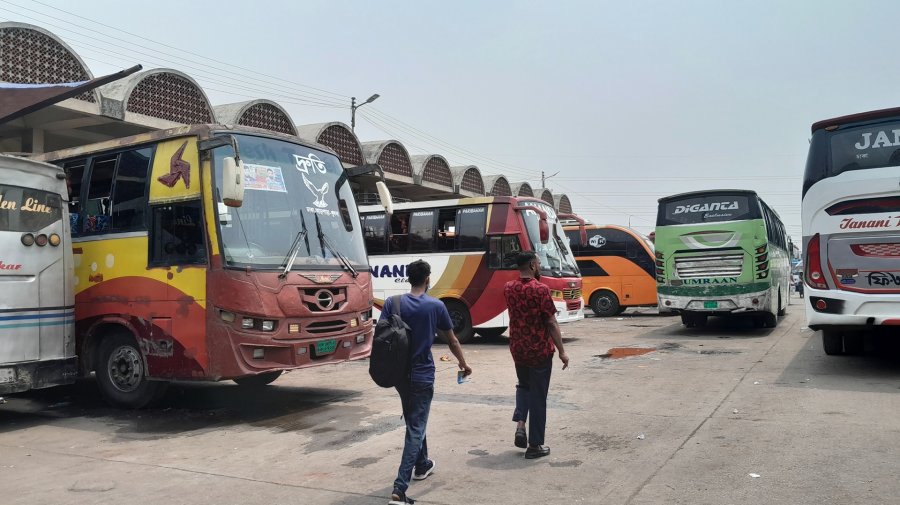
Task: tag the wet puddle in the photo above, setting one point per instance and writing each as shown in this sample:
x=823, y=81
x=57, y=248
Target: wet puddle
x=625, y=352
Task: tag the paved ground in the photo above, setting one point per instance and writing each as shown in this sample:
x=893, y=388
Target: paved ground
x=687, y=423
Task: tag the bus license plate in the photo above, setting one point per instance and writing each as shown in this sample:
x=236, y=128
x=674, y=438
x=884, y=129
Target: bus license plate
x=326, y=347
x=710, y=305
x=7, y=375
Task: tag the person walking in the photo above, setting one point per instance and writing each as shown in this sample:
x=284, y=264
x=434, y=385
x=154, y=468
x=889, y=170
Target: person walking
x=533, y=334
x=425, y=316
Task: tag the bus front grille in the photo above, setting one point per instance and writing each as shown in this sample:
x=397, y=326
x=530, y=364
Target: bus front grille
x=572, y=294
x=718, y=265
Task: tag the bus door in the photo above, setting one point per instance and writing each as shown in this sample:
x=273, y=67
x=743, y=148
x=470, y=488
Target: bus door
x=37, y=314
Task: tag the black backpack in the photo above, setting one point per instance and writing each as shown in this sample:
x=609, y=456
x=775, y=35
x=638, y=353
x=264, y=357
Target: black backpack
x=389, y=362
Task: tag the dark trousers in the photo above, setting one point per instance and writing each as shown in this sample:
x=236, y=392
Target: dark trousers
x=416, y=398
x=531, y=398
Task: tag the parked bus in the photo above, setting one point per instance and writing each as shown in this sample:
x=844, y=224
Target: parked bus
x=721, y=252
x=617, y=268
x=211, y=252
x=37, y=330
x=851, y=227
x=471, y=244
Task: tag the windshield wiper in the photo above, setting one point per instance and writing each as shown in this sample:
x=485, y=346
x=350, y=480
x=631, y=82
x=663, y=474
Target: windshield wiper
x=288, y=262
x=323, y=240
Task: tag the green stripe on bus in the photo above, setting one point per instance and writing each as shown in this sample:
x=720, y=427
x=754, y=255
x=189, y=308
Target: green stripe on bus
x=40, y=323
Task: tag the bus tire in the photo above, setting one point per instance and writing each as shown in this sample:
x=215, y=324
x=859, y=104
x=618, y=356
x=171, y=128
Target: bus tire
x=854, y=343
x=462, y=320
x=491, y=332
x=121, y=375
x=833, y=342
x=258, y=380
x=782, y=311
x=769, y=320
x=604, y=303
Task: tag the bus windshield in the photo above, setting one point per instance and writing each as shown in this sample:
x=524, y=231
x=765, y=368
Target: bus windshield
x=26, y=209
x=556, y=257
x=707, y=208
x=289, y=190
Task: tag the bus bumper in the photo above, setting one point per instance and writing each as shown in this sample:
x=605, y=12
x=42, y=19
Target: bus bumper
x=567, y=311
x=845, y=310
x=719, y=305
x=21, y=377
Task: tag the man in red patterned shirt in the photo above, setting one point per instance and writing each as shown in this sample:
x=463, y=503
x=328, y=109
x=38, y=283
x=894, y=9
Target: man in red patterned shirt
x=533, y=333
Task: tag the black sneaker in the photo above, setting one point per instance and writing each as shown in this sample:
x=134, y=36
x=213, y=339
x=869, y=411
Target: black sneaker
x=537, y=452
x=399, y=498
x=424, y=472
x=521, y=440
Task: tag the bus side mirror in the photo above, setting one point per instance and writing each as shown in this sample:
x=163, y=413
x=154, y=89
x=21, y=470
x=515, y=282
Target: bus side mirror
x=233, y=182
x=544, y=229
x=384, y=195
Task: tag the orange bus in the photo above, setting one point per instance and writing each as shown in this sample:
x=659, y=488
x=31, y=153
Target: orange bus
x=212, y=252
x=617, y=266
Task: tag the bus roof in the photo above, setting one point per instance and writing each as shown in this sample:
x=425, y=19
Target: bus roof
x=856, y=118
x=453, y=202
x=201, y=130
x=30, y=166
x=679, y=196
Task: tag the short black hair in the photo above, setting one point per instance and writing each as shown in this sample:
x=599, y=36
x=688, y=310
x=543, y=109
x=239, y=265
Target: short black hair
x=417, y=272
x=524, y=258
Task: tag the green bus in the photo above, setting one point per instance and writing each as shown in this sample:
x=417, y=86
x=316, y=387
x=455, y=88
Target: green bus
x=721, y=253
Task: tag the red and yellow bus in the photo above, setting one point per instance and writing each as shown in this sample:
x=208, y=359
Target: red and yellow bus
x=173, y=283
x=617, y=266
x=471, y=244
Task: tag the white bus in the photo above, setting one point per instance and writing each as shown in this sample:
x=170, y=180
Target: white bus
x=851, y=227
x=37, y=331
x=471, y=244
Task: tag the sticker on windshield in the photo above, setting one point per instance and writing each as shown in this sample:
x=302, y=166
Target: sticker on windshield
x=263, y=178
x=312, y=165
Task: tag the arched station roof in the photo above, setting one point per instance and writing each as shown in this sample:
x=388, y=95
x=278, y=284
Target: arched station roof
x=337, y=136
x=390, y=155
x=432, y=169
x=496, y=185
x=162, y=93
x=562, y=204
x=521, y=189
x=264, y=114
x=32, y=55
x=467, y=179
x=546, y=195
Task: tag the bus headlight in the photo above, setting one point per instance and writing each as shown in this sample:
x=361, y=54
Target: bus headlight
x=268, y=326
x=555, y=293
x=247, y=323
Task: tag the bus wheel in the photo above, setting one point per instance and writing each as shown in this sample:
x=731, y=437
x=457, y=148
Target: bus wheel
x=833, y=342
x=782, y=311
x=462, y=320
x=491, y=332
x=605, y=303
x=121, y=375
x=258, y=380
x=854, y=343
x=769, y=320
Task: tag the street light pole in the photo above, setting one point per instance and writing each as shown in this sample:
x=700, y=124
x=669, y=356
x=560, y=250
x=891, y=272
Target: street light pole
x=353, y=108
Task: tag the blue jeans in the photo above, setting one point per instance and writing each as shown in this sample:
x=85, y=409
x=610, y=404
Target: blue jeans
x=416, y=398
x=531, y=398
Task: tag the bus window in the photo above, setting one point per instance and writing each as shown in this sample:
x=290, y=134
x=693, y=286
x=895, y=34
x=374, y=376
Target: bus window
x=176, y=235
x=502, y=252
x=96, y=207
x=373, y=233
x=74, y=176
x=130, y=192
x=472, y=228
x=446, y=240
x=421, y=231
x=399, y=232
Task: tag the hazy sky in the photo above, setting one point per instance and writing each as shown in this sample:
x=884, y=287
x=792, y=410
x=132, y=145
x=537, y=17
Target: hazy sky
x=628, y=101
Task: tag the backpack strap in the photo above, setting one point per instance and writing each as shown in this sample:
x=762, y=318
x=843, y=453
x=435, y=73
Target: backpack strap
x=395, y=304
